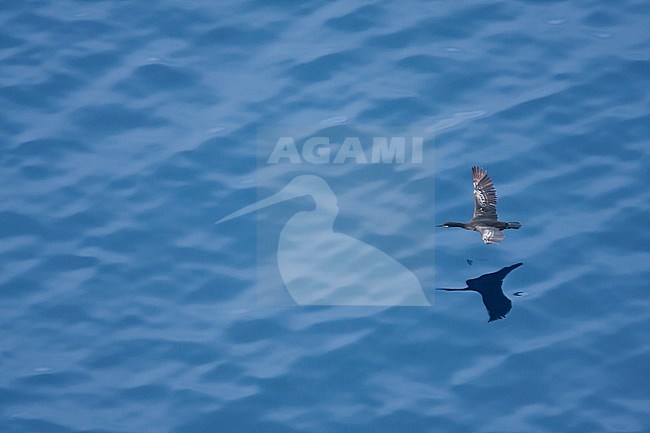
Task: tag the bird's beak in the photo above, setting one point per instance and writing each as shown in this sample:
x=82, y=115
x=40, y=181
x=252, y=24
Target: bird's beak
x=284, y=194
x=441, y=225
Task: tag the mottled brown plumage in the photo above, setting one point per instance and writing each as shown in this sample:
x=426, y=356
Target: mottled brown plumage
x=485, y=220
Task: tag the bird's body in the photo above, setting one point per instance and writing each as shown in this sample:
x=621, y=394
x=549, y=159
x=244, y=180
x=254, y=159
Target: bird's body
x=490, y=288
x=485, y=219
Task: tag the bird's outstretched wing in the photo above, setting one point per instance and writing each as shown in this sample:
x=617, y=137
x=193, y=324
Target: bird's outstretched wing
x=485, y=196
x=493, y=279
x=497, y=305
x=490, y=235
x=503, y=272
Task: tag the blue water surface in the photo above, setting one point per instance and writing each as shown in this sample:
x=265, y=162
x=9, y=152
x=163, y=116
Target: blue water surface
x=129, y=127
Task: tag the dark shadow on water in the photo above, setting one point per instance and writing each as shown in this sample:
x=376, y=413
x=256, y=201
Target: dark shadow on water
x=490, y=288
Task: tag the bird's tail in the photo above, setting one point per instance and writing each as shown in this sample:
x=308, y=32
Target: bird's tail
x=513, y=225
x=453, y=290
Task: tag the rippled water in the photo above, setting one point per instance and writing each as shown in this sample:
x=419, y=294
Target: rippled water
x=128, y=128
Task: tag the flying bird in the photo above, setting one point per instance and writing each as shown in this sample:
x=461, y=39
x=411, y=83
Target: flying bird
x=490, y=288
x=485, y=220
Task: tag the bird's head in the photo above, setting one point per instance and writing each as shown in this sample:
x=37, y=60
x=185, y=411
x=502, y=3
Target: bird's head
x=451, y=224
